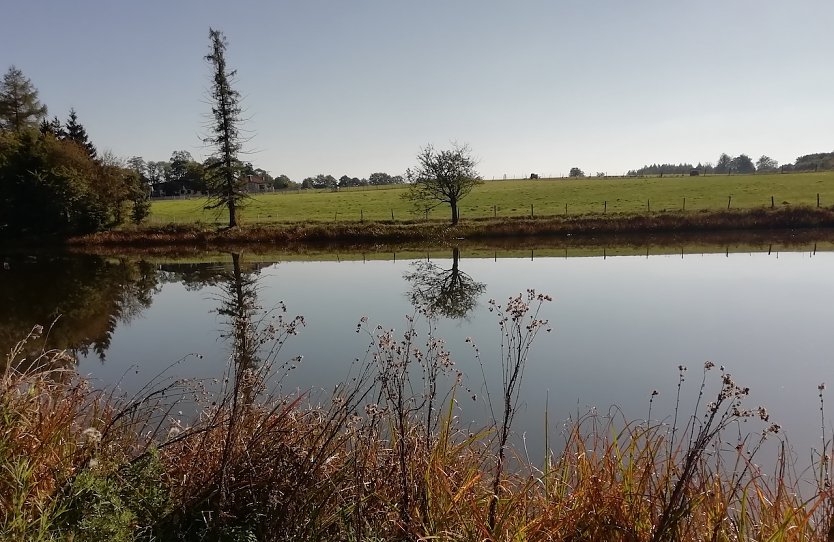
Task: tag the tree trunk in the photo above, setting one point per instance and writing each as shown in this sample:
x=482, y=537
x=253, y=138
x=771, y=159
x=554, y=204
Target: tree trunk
x=454, y=205
x=232, y=213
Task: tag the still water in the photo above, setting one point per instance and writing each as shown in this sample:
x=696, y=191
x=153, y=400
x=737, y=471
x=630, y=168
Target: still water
x=621, y=325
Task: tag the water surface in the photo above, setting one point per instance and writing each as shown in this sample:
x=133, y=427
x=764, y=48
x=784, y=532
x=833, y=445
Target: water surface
x=621, y=325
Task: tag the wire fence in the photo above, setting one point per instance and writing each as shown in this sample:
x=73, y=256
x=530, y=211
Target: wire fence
x=192, y=209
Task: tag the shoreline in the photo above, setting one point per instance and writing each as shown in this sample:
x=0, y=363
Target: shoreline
x=575, y=229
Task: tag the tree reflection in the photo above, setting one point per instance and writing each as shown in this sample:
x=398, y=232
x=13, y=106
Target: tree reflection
x=239, y=304
x=446, y=292
x=80, y=300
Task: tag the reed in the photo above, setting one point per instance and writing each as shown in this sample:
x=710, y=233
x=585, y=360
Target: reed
x=382, y=457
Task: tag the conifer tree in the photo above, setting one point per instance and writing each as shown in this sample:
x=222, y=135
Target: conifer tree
x=75, y=131
x=225, y=187
x=19, y=104
x=54, y=127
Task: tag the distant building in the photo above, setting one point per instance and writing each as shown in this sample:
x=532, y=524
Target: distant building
x=694, y=173
x=255, y=184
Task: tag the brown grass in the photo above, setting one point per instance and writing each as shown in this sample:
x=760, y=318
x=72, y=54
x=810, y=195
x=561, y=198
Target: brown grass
x=255, y=465
x=389, y=232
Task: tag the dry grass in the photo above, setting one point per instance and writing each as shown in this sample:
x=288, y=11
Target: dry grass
x=388, y=232
x=376, y=461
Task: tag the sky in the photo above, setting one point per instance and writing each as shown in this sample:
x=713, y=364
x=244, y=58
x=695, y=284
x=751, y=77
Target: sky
x=356, y=87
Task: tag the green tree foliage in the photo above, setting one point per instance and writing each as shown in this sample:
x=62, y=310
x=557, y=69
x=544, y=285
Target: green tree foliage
x=346, y=181
x=53, y=187
x=76, y=132
x=225, y=187
x=281, y=182
x=576, y=172
x=157, y=172
x=668, y=169
x=814, y=162
x=765, y=164
x=742, y=164
x=19, y=105
x=378, y=179
x=53, y=127
x=182, y=172
x=141, y=194
x=724, y=163
x=445, y=176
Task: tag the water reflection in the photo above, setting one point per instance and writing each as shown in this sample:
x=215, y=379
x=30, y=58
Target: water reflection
x=80, y=300
x=445, y=292
x=236, y=284
x=239, y=305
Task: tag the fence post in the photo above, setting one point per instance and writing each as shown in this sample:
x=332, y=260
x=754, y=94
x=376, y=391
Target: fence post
x=684, y=204
x=392, y=215
x=531, y=211
x=494, y=212
x=566, y=209
x=772, y=202
x=818, y=200
x=361, y=215
x=605, y=207
x=729, y=200
x=649, y=206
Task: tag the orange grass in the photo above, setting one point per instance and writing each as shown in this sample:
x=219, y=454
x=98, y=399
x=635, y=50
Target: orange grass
x=291, y=468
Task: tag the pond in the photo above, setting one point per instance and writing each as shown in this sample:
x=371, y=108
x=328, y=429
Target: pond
x=622, y=321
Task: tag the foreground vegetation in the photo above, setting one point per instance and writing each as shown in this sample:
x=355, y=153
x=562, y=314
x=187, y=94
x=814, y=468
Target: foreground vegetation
x=502, y=199
x=383, y=457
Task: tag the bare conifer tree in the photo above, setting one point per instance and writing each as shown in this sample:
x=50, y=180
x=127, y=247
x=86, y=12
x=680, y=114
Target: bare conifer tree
x=225, y=187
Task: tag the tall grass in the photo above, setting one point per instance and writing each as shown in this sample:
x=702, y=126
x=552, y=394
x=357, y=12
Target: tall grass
x=382, y=457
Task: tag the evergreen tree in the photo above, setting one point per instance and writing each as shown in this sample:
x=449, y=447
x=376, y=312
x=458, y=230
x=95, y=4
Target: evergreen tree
x=225, y=188
x=53, y=127
x=19, y=105
x=76, y=132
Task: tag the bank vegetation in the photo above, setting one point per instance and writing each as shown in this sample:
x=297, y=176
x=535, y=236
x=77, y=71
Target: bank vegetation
x=384, y=457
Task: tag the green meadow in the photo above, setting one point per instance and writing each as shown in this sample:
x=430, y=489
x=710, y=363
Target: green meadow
x=514, y=198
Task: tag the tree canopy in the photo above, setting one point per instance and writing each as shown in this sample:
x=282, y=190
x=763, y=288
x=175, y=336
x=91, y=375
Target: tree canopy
x=445, y=176
x=50, y=186
x=75, y=131
x=19, y=104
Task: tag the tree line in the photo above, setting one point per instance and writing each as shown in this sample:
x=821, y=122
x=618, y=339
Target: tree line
x=181, y=174
x=53, y=180
x=742, y=163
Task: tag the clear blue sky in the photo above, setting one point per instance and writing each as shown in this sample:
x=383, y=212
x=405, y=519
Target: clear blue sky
x=354, y=87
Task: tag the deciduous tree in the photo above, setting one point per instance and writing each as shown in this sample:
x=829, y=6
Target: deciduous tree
x=743, y=164
x=766, y=163
x=445, y=176
x=724, y=163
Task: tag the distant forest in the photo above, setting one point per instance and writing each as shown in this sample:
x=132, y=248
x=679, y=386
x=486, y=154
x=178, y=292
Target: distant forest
x=740, y=164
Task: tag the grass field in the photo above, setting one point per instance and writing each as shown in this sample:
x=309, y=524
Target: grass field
x=547, y=197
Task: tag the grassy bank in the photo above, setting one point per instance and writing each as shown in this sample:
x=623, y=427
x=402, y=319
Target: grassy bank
x=383, y=458
x=438, y=232
x=523, y=198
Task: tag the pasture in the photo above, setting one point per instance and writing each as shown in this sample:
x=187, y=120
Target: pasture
x=518, y=198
